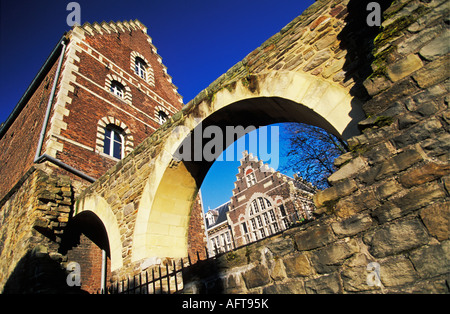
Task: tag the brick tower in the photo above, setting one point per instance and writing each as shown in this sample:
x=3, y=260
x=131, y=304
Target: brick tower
x=112, y=91
x=100, y=93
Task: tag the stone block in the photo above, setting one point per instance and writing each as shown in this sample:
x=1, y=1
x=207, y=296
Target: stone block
x=417, y=133
x=397, y=271
x=439, y=46
x=436, y=218
x=388, y=188
x=314, y=237
x=329, y=258
x=396, y=238
x=352, y=225
x=340, y=189
x=356, y=203
x=325, y=41
x=342, y=159
x=292, y=287
x=404, y=67
x=297, y=266
x=327, y=284
x=278, y=271
x=420, y=196
x=425, y=173
x=256, y=277
x=348, y=170
x=379, y=152
x=317, y=60
x=376, y=84
x=281, y=247
x=432, y=73
x=433, y=260
x=398, y=163
x=354, y=273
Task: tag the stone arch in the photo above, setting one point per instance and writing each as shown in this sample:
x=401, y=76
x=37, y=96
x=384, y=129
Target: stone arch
x=102, y=123
x=150, y=77
x=100, y=207
x=164, y=208
x=127, y=97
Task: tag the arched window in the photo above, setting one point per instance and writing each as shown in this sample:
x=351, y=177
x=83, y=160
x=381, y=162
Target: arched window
x=262, y=220
x=250, y=177
x=162, y=116
x=114, y=140
x=140, y=68
x=117, y=89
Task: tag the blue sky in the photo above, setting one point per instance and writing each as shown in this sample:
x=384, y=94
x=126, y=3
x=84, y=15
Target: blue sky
x=199, y=40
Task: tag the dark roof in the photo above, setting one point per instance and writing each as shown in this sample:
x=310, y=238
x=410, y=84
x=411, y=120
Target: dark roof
x=222, y=210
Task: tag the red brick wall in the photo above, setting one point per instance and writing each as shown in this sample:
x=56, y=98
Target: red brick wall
x=196, y=232
x=91, y=102
x=89, y=257
x=18, y=145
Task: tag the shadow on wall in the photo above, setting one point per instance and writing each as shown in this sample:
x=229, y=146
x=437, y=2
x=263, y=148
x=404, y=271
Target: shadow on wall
x=39, y=272
x=357, y=39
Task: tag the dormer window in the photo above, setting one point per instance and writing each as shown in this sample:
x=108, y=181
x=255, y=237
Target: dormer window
x=211, y=217
x=117, y=89
x=140, y=68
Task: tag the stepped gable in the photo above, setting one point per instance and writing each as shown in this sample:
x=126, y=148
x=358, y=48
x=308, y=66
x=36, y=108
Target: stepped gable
x=102, y=28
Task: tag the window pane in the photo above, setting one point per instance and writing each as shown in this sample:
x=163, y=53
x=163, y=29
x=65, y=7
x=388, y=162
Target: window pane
x=244, y=227
x=117, y=137
x=117, y=150
x=107, y=142
x=260, y=224
x=261, y=203
x=255, y=206
x=266, y=218
x=107, y=146
x=282, y=211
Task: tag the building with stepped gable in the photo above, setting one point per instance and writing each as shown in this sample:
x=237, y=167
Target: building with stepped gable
x=264, y=202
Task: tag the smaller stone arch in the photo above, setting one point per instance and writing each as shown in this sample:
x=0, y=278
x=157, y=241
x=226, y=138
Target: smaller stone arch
x=158, y=110
x=102, y=123
x=110, y=78
x=100, y=207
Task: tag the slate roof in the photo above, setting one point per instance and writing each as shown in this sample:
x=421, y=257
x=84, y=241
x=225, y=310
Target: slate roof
x=222, y=210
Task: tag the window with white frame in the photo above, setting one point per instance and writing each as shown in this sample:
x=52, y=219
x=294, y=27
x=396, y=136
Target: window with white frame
x=264, y=219
x=162, y=116
x=113, y=144
x=250, y=176
x=140, y=68
x=117, y=89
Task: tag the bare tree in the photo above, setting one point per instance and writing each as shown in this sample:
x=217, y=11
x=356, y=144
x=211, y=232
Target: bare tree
x=311, y=152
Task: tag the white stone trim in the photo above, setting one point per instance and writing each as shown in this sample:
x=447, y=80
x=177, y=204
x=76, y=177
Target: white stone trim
x=128, y=138
x=150, y=76
x=127, y=97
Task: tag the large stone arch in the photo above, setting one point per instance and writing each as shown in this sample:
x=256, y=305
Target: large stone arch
x=393, y=181
x=100, y=207
x=163, y=213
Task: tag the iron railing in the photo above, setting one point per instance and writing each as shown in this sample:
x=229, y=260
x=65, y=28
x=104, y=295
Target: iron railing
x=168, y=279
